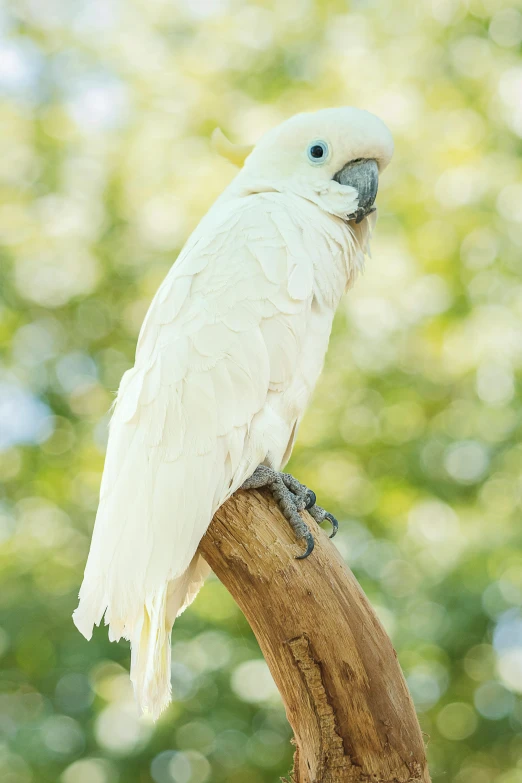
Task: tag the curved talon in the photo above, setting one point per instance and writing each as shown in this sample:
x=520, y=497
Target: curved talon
x=334, y=523
x=291, y=497
x=312, y=500
x=309, y=546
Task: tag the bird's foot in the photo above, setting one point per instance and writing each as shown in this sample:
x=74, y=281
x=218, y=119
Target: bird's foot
x=319, y=514
x=292, y=497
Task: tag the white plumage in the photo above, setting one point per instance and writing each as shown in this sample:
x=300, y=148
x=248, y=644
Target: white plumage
x=227, y=359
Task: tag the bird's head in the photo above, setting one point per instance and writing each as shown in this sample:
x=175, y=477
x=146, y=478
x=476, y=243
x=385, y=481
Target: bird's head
x=333, y=156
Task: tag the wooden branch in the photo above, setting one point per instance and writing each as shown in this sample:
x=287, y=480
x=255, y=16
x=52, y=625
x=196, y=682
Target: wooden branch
x=334, y=665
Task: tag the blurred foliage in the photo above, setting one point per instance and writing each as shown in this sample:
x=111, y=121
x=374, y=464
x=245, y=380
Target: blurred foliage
x=413, y=436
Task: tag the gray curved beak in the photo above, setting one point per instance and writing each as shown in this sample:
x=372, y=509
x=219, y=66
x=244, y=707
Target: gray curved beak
x=363, y=175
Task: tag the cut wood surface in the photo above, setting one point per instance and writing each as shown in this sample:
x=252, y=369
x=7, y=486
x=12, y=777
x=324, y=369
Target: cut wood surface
x=335, y=667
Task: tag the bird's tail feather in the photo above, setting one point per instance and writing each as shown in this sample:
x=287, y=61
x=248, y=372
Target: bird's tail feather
x=150, y=656
x=151, y=650
x=149, y=633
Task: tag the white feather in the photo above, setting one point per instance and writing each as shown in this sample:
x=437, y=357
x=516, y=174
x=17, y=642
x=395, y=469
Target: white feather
x=227, y=359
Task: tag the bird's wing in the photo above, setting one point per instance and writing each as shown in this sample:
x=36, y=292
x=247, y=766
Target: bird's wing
x=224, y=328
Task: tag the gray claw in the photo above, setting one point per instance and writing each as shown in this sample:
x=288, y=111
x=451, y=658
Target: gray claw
x=291, y=497
x=309, y=546
x=312, y=499
x=334, y=523
x=319, y=514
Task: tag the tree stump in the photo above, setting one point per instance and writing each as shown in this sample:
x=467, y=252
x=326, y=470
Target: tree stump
x=335, y=667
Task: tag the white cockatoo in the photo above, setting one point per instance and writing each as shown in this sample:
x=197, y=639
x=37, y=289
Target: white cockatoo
x=227, y=359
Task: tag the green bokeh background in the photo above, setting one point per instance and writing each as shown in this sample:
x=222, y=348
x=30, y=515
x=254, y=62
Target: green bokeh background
x=412, y=439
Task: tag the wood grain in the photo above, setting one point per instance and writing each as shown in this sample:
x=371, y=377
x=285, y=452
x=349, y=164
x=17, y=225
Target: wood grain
x=335, y=667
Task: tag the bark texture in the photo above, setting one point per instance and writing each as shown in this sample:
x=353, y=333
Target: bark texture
x=335, y=667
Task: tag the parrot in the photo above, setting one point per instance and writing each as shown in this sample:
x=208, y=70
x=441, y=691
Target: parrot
x=226, y=362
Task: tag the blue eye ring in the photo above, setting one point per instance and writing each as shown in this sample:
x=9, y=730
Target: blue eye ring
x=318, y=152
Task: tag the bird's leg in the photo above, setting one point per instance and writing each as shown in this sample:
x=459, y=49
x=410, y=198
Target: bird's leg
x=291, y=497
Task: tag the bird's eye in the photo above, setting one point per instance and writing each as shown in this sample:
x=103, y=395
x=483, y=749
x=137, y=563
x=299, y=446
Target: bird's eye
x=318, y=151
